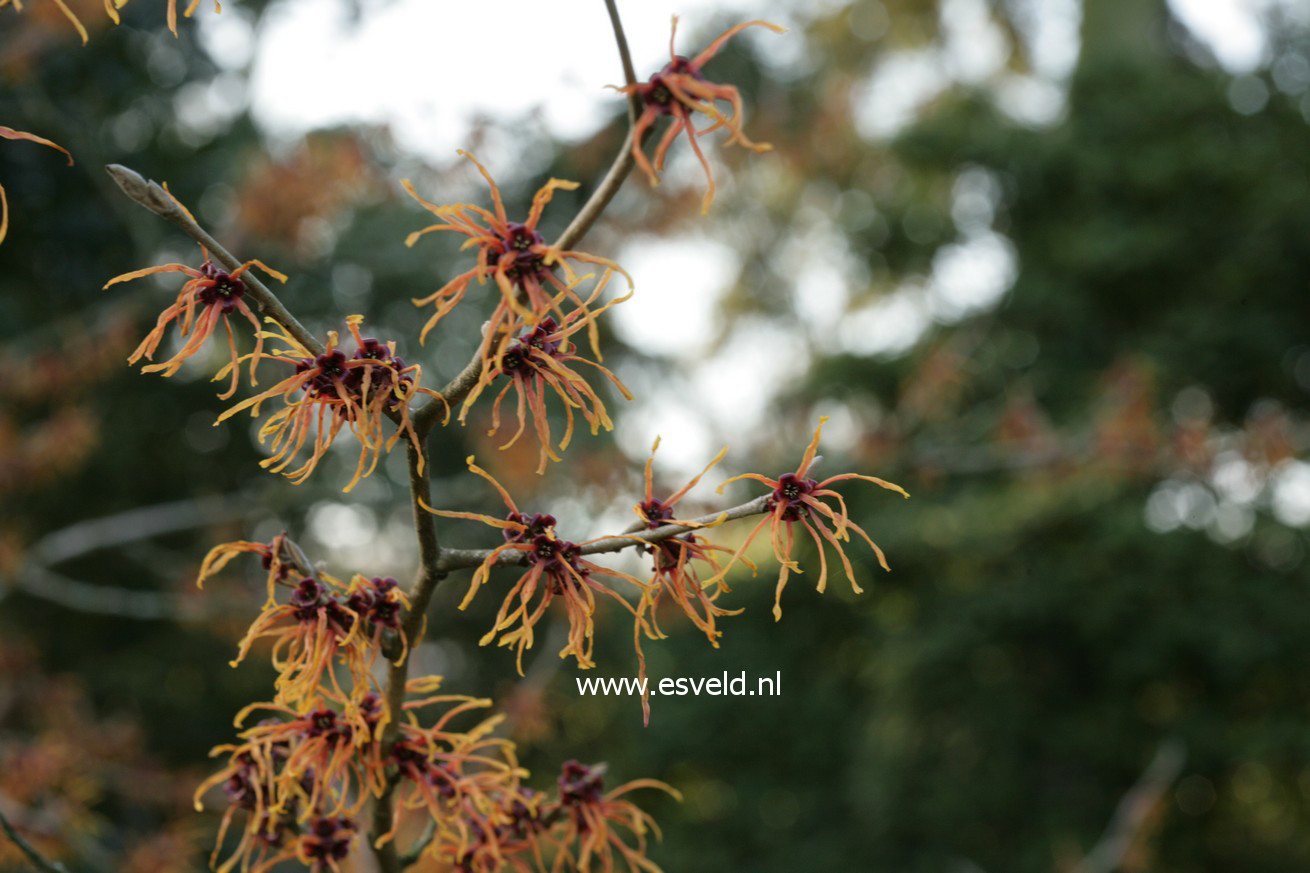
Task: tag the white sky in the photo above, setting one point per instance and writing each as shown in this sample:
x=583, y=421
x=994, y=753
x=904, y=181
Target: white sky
x=428, y=67
x=443, y=62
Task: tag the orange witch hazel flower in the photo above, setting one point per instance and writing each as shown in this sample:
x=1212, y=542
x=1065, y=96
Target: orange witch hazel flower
x=299, y=778
x=555, y=570
x=540, y=362
x=596, y=819
x=323, y=621
x=681, y=90
x=461, y=778
x=210, y=295
x=674, y=559
x=279, y=557
x=799, y=500
x=10, y=133
x=513, y=254
x=329, y=391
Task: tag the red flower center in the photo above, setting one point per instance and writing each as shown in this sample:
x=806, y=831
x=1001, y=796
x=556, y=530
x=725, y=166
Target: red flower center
x=220, y=288
x=791, y=492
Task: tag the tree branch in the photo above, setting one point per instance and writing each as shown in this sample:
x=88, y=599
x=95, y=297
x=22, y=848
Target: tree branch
x=432, y=566
x=410, y=858
x=1134, y=809
x=454, y=393
x=38, y=860
x=623, y=161
x=429, y=574
x=463, y=559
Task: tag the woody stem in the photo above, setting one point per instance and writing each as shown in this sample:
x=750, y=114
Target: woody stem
x=462, y=559
x=623, y=161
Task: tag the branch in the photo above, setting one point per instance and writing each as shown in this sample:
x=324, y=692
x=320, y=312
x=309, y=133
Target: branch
x=463, y=559
x=153, y=197
x=133, y=525
x=38, y=860
x=623, y=161
x=1133, y=810
x=429, y=575
x=432, y=566
x=38, y=581
x=410, y=858
x=454, y=393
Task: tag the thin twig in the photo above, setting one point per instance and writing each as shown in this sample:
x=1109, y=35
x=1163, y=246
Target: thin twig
x=40, y=861
x=35, y=580
x=462, y=559
x=1133, y=810
x=410, y=858
x=454, y=393
x=623, y=161
x=153, y=197
x=133, y=525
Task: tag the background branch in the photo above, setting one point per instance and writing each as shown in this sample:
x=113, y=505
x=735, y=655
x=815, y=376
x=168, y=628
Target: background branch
x=1111, y=850
x=38, y=860
x=35, y=577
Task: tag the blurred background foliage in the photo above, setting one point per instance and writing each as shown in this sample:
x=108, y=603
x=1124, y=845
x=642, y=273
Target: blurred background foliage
x=1060, y=294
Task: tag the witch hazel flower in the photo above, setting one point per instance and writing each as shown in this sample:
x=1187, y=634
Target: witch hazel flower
x=675, y=574
x=457, y=777
x=600, y=824
x=331, y=391
x=681, y=91
x=552, y=569
x=292, y=771
x=541, y=363
x=534, y=278
x=280, y=557
x=210, y=297
x=798, y=501
x=323, y=622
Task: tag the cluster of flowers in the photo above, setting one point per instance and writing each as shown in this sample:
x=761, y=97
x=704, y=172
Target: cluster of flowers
x=330, y=390
x=685, y=568
x=331, y=740
x=324, y=392
x=528, y=338
x=301, y=776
